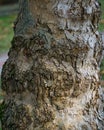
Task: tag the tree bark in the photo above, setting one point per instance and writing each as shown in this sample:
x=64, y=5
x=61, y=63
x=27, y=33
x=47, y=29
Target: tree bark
x=51, y=78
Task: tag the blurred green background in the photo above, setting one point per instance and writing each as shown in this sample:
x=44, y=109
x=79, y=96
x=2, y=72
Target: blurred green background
x=6, y=32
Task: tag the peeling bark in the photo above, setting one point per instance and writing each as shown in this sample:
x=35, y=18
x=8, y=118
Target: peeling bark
x=51, y=78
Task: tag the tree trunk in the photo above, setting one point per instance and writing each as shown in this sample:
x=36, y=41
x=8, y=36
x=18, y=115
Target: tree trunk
x=51, y=78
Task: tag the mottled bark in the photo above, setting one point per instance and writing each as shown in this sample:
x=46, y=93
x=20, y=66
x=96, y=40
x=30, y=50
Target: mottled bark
x=51, y=78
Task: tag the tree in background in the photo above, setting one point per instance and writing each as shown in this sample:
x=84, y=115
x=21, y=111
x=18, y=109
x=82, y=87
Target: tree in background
x=51, y=78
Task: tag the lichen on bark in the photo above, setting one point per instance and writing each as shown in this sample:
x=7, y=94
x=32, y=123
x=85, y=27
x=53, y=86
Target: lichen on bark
x=51, y=78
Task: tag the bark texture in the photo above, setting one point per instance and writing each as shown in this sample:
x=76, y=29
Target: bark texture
x=51, y=78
